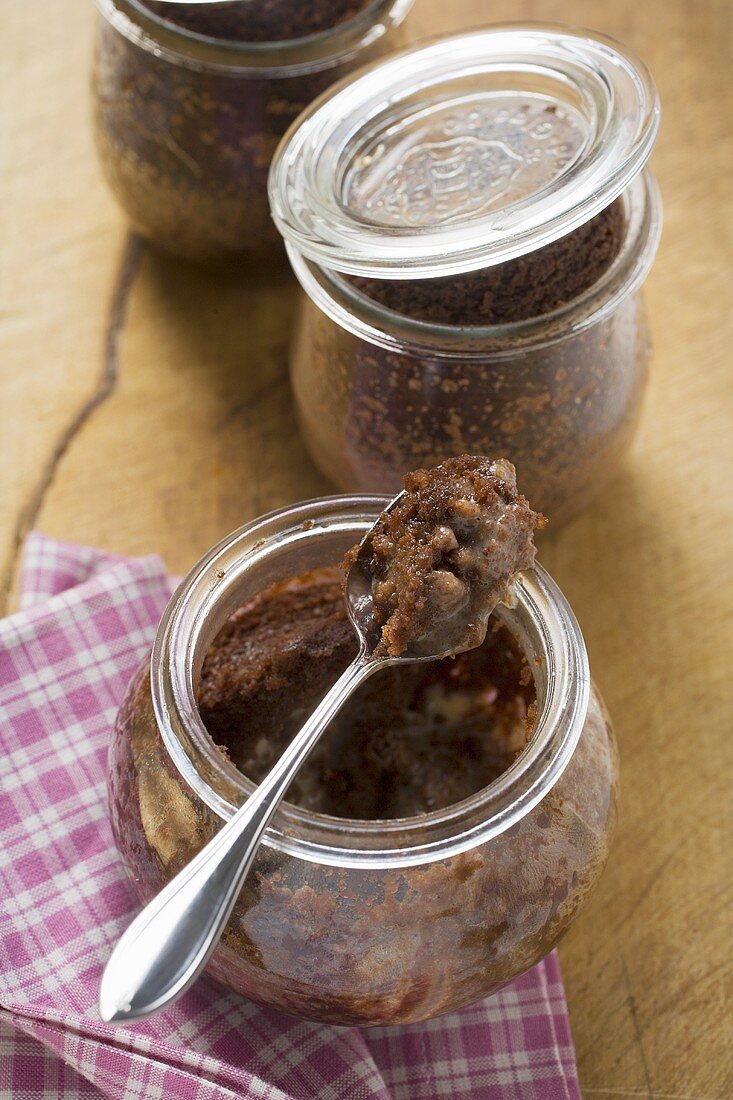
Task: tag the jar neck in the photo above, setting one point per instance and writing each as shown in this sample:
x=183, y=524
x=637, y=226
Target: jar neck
x=289, y=57
x=308, y=536
x=355, y=312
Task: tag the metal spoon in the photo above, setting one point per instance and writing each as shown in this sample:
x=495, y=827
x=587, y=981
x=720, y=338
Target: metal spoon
x=167, y=945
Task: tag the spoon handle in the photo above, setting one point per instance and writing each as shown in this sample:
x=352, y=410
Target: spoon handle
x=169, y=942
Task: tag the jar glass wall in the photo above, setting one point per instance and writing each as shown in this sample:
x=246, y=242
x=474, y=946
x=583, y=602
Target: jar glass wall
x=368, y=922
x=186, y=123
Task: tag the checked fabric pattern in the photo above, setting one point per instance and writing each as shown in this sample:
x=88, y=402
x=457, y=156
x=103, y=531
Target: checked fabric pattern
x=87, y=620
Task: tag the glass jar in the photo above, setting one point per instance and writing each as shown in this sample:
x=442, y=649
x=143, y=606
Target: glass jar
x=186, y=123
x=487, y=155
x=368, y=922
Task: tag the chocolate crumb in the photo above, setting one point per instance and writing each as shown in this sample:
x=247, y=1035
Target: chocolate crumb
x=518, y=290
x=443, y=557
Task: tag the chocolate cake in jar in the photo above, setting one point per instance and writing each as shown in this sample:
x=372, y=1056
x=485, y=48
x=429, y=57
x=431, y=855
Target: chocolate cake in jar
x=471, y=222
x=446, y=831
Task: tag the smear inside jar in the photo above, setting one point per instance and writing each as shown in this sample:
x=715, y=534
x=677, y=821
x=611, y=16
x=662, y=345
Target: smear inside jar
x=412, y=739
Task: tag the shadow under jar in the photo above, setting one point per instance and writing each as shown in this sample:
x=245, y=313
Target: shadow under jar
x=357, y=921
x=472, y=257
x=190, y=102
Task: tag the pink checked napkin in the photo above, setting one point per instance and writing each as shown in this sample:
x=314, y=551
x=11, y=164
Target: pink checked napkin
x=87, y=620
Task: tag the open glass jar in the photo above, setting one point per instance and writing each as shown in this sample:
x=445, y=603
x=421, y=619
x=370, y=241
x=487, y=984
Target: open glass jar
x=368, y=922
x=188, y=114
x=471, y=223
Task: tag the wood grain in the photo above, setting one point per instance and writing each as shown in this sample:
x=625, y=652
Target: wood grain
x=145, y=406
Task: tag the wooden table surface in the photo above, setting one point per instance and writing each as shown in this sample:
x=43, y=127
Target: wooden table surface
x=145, y=407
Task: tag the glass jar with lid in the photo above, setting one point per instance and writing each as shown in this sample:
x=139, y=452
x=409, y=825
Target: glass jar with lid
x=191, y=100
x=471, y=221
x=362, y=921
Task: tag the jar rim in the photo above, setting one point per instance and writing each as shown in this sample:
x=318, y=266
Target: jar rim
x=289, y=57
x=464, y=151
x=353, y=310
x=213, y=589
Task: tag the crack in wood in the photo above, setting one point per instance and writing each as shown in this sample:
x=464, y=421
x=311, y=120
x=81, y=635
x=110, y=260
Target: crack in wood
x=636, y=1024
x=105, y=387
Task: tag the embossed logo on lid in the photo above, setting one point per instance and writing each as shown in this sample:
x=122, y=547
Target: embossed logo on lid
x=458, y=161
x=464, y=152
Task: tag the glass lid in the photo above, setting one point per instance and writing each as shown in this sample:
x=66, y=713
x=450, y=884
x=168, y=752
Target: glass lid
x=464, y=152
